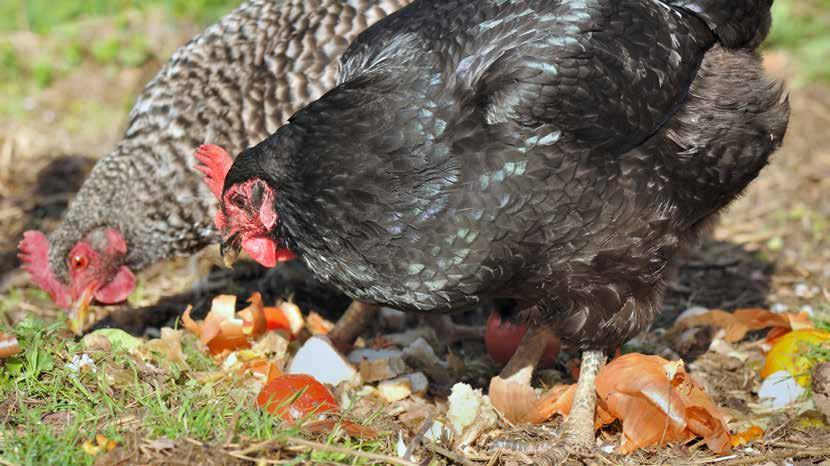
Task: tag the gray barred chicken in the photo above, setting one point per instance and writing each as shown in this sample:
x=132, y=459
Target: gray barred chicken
x=556, y=153
x=235, y=83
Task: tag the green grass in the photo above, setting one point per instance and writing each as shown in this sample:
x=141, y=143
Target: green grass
x=43, y=16
x=802, y=27
x=36, y=385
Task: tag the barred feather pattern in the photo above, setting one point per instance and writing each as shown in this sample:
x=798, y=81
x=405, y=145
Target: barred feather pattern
x=232, y=85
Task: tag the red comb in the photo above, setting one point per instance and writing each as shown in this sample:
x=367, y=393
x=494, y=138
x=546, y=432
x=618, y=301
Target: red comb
x=215, y=163
x=33, y=252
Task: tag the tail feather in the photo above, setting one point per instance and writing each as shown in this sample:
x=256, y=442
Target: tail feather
x=718, y=142
x=738, y=24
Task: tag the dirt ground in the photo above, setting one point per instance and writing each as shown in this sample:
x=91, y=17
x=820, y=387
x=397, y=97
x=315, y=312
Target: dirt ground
x=769, y=250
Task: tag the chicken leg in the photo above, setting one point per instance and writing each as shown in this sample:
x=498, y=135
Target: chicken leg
x=578, y=430
x=520, y=367
x=358, y=316
x=577, y=433
x=448, y=332
x=351, y=323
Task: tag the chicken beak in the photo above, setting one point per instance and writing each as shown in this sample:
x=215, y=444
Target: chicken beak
x=80, y=310
x=229, y=249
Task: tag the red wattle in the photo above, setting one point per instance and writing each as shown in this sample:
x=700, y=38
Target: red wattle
x=262, y=249
x=265, y=251
x=118, y=289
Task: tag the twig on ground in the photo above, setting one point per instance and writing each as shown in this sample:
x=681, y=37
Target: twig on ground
x=495, y=459
x=231, y=429
x=449, y=454
x=718, y=459
x=255, y=460
x=318, y=447
x=775, y=455
x=416, y=440
x=791, y=445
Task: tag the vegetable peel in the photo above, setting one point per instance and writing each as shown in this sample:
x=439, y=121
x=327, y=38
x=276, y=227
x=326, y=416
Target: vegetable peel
x=656, y=401
x=9, y=346
x=223, y=328
x=659, y=403
x=789, y=353
x=285, y=316
x=292, y=397
x=737, y=324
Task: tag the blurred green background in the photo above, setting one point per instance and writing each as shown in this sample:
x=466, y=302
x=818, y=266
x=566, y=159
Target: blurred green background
x=42, y=41
x=43, y=16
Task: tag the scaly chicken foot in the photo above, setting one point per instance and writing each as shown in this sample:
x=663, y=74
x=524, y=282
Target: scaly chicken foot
x=520, y=367
x=351, y=323
x=577, y=433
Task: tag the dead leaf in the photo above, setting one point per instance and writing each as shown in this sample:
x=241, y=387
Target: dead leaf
x=97, y=343
x=120, y=377
x=160, y=444
x=9, y=345
x=101, y=445
x=822, y=404
x=272, y=345
x=58, y=420
x=207, y=377
x=326, y=426
x=659, y=403
x=168, y=348
x=118, y=456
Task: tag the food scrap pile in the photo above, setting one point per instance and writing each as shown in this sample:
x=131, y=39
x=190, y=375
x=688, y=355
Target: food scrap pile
x=390, y=387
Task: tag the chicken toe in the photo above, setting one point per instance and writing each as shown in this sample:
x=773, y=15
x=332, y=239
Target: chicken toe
x=577, y=433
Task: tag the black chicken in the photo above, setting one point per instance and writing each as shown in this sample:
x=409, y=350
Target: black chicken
x=555, y=153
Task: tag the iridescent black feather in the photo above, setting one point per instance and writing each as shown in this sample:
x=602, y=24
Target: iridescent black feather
x=556, y=153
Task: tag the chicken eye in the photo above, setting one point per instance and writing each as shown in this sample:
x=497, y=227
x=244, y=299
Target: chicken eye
x=238, y=201
x=78, y=262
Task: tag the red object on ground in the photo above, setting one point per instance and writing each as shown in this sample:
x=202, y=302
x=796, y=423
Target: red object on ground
x=314, y=397
x=502, y=338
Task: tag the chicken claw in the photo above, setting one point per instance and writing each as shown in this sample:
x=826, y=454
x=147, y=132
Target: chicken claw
x=577, y=433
